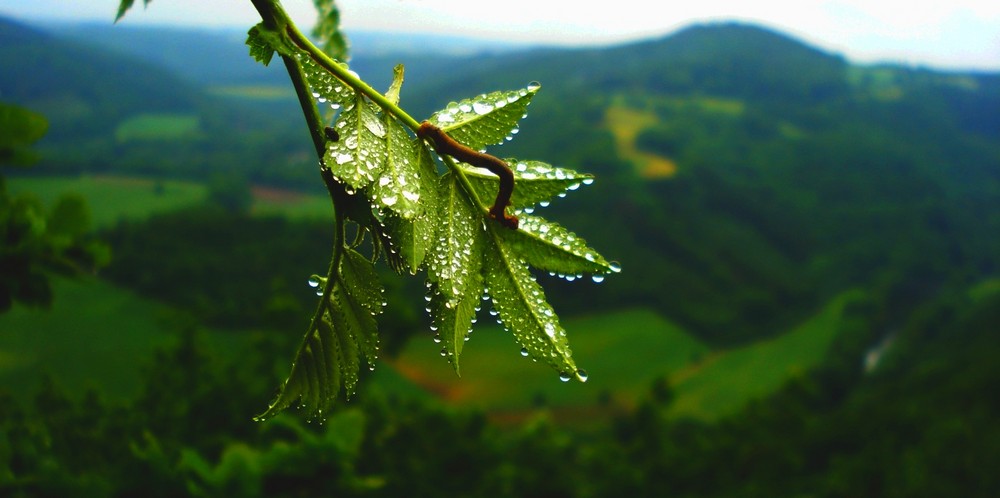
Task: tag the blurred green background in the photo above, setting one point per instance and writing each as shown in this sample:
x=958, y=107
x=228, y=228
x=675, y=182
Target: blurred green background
x=809, y=303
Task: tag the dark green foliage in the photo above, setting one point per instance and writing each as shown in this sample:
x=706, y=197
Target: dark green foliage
x=226, y=267
x=920, y=425
x=36, y=243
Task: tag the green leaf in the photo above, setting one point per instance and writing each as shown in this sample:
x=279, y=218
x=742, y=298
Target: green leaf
x=522, y=306
x=534, y=182
x=548, y=246
x=327, y=30
x=125, y=5
x=456, y=256
x=356, y=301
x=260, y=47
x=360, y=154
x=326, y=88
x=398, y=187
x=413, y=238
x=487, y=119
x=315, y=377
x=453, y=320
x=392, y=94
x=328, y=359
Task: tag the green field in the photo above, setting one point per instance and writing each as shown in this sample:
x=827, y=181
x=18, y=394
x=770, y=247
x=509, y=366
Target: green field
x=254, y=92
x=114, y=198
x=95, y=335
x=623, y=352
x=159, y=127
x=726, y=381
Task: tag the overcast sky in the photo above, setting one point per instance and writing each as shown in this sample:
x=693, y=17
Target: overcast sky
x=953, y=34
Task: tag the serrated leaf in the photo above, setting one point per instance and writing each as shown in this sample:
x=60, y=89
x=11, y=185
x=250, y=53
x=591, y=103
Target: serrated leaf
x=485, y=120
x=329, y=357
x=534, y=182
x=413, y=238
x=260, y=48
x=315, y=376
x=522, y=306
x=326, y=88
x=327, y=30
x=548, y=246
x=456, y=254
x=356, y=300
x=398, y=186
x=360, y=154
x=453, y=320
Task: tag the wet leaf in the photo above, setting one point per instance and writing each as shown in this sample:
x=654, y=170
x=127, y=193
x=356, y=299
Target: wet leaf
x=360, y=154
x=522, y=306
x=534, y=182
x=548, y=246
x=484, y=120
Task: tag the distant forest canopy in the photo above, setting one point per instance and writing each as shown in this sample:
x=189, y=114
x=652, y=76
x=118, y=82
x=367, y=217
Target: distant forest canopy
x=747, y=176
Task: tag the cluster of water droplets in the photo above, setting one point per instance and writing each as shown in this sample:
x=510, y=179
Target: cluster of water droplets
x=326, y=88
x=495, y=114
x=521, y=308
x=398, y=186
x=360, y=154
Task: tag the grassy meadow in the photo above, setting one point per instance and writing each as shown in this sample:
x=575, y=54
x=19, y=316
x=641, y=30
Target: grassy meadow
x=159, y=127
x=114, y=198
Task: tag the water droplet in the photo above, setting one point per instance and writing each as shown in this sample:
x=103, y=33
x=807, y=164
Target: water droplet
x=563, y=376
x=482, y=107
x=314, y=281
x=581, y=375
x=524, y=352
x=588, y=181
x=597, y=278
x=534, y=86
x=615, y=267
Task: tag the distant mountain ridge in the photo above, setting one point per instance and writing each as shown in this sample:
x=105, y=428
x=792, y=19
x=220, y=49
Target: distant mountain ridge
x=797, y=174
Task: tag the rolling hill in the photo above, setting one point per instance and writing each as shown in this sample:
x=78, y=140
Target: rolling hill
x=793, y=174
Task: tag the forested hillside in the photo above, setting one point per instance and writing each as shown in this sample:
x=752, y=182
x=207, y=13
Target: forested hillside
x=816, y=237
x=750, y=175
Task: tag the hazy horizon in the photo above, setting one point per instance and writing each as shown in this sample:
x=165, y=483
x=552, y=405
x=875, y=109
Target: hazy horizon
x=958, y=36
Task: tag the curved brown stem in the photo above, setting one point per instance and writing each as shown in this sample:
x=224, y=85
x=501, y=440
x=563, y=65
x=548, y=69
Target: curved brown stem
x=447, y=145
